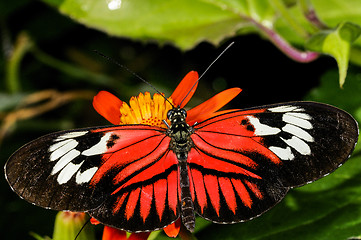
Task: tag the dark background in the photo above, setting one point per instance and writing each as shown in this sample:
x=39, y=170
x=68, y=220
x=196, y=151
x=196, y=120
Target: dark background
x=252, y=63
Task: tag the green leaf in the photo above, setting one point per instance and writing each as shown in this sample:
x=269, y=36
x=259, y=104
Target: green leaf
x=184, y=23
x=260, y=10
x=188, y=22
x=348, y=98
x=336, y=43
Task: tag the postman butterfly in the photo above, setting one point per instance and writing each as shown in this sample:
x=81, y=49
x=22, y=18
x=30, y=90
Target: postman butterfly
x=230, y=167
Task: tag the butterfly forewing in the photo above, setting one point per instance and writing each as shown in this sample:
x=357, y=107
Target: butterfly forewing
x=245, y=161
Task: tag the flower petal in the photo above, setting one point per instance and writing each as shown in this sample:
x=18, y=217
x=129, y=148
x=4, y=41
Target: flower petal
x=110, y=233
x=108, y=105
x=94, y=221
x=172, y=230
x=208, y=108
x=187, y=86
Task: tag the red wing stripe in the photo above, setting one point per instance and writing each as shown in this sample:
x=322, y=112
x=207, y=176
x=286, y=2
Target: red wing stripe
x=153, y=169
x=217, y=121
x=242, y=192
x=228, y=193
x=212, y=187
x=197, y=179
x=220, y=153
x=146, y=197
x=254, y=188
x=132, y=203
x=233, y=143
x=191, y=186
x=129, y=127
x=160, y=195
x=119, y=202
x=173, y=191
x=209, y=162
x=138, y=157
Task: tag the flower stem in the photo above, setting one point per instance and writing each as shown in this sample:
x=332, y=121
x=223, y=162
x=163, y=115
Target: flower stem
x=310, y=14
x=22, y=46
x=284, y=46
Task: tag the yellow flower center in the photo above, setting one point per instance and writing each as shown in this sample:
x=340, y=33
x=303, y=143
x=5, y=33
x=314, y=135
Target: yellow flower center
x=145, y=110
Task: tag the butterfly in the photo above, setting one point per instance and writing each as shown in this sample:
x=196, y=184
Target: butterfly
x=227, y=167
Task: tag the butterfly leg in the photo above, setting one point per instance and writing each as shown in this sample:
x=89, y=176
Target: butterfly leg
x=187, y=207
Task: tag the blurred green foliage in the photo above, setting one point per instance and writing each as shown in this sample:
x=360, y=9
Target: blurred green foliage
x=49, y=73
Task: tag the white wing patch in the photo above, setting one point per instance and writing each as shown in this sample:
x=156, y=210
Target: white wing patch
x=303, y=123
x=86, y=176
x=283, y=153
x=297, y=131
x=65, y=160
x=67, y=172
x=297, y=124
x=70, y=135
x=100, y=147
x=59, y=149
x=299, y=145
x=64, y=151
x=262, y=129
x=286, y=108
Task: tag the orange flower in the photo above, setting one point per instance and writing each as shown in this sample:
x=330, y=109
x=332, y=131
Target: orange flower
x=145, y=110
x=110, y=233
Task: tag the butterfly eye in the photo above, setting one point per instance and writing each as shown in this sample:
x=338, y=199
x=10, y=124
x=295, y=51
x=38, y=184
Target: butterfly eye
x=184, y=112
x=170, y=114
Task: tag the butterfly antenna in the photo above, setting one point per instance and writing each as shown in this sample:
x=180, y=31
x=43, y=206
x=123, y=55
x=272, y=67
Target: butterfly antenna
x=82, y=228
x=210, y=65
x=133, y=73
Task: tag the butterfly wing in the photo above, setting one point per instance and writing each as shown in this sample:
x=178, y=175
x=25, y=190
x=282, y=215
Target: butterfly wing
x=122, y=175
x=244, y=162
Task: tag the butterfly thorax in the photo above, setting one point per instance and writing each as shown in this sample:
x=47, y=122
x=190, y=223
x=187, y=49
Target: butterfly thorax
x=179, y=132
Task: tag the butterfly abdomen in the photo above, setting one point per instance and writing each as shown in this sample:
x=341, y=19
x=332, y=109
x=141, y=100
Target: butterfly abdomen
x=187, y=206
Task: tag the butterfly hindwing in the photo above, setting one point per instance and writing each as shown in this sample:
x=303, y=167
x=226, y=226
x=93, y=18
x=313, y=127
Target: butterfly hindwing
x=147, y=200
x=228, y=189
x=245, y=161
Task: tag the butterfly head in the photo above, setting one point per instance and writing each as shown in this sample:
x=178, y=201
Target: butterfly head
x=177, y=115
